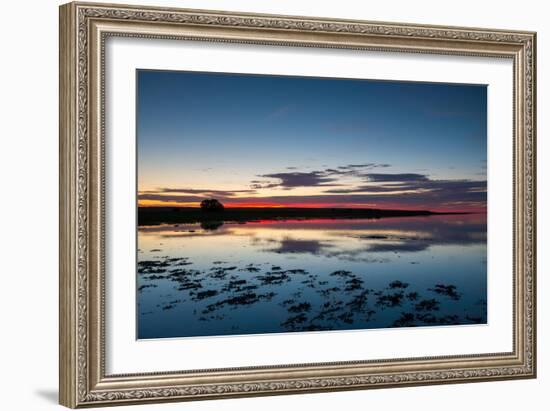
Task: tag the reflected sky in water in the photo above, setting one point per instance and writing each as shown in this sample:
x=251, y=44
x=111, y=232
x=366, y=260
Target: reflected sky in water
x=311, y=275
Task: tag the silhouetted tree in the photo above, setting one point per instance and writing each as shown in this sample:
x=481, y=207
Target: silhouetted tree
x=211, y=205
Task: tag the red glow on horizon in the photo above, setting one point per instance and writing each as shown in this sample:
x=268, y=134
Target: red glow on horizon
x=458, y=208
x=385, y=206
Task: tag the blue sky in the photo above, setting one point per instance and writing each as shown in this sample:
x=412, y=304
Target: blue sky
x=274, y=139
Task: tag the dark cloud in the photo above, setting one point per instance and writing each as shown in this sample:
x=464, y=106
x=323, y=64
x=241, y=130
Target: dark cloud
x=417, y=188
x=396, y=177
x=326, y=177
x=258, y=185
x=189, y=195
x=299, y=179
x=431, y=185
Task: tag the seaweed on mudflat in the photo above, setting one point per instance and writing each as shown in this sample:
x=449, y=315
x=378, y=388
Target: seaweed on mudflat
x=292, y=322
x=406, y=320
x=298, y=308
x=188, y=285
x=144, y=286
x=427, y=305
x=152, y=271
x=398, y=284
x=183, y=272
x=218, y=273
x=359, y=301
x=152, y=267
x=238, y=285
x=328, y=310
x=446, y=290
x=346, y=317
x=309, y=282
x=328, y=291
x=245, y=299
x=390, y=300
x=201, y=295
x=296, y=271
x=342, y=273
x=273, y=278
x=353, y=284
x=248, y=287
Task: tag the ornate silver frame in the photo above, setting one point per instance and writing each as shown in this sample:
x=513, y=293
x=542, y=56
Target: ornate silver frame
x=83, y=30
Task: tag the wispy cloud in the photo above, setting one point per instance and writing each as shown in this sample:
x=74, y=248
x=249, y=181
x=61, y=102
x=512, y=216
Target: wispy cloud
x=168, y=198
x=199, y=191
x=281, y=111
x=364, y=166
x=351, y=185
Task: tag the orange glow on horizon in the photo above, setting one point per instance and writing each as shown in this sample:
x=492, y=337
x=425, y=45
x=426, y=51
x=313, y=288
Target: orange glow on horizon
x=158, y=203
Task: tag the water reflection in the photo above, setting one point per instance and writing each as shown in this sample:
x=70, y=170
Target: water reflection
x=311, y=275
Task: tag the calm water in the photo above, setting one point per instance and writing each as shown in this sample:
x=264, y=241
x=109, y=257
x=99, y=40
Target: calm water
x=311, y=275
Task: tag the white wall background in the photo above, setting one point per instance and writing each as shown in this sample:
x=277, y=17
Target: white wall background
x=28, y=205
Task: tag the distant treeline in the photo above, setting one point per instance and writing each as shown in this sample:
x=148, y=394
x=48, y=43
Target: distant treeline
x=170, y=215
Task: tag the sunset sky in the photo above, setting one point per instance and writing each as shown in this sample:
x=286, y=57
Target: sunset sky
x=251, y=140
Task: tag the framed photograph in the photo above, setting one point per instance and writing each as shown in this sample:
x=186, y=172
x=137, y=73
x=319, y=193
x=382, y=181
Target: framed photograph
x=259, y=204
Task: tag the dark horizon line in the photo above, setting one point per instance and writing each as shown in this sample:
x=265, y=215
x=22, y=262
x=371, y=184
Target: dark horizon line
x=316, y=208
x=157, y=215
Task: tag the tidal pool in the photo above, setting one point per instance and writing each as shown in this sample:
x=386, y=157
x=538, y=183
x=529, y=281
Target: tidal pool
x=310, y=275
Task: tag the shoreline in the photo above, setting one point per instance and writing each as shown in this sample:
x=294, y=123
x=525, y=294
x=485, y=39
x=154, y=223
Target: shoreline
x=174, y=215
